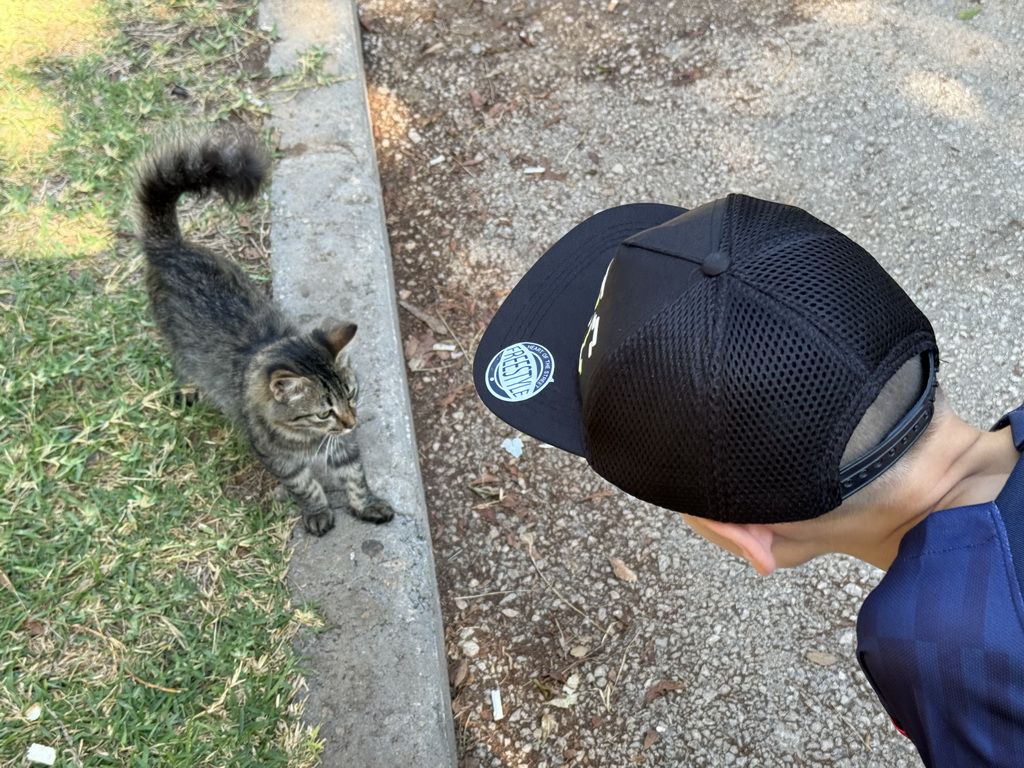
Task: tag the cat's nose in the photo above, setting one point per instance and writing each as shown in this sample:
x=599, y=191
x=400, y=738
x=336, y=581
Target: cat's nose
x=347, y=420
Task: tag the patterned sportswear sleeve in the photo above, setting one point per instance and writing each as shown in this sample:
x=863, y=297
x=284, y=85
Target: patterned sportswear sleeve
x=941, y=640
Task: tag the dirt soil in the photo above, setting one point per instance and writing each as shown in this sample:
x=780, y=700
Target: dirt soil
x=584, y=628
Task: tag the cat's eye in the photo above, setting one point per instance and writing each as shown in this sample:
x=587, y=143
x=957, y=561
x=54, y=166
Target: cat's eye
x=324, y=414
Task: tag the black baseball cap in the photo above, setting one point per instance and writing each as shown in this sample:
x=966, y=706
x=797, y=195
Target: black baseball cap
x=712, y=361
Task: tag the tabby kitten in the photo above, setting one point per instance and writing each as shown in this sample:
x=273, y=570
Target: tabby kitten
x=292, y=392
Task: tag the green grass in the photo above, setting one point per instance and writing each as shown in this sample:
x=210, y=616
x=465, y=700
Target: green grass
x=144, y=618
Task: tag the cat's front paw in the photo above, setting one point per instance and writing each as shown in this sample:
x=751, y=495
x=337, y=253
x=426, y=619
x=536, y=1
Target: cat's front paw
x=375, y=511
x=187, y=396
x=319, y=523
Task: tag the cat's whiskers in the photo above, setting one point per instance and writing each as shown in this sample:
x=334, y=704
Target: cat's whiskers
x=325, y=442
x=332, y=444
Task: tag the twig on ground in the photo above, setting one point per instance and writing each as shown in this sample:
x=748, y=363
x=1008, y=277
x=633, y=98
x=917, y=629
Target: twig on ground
x=558, y=594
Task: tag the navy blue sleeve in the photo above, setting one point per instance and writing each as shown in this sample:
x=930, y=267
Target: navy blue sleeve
x=941, y=640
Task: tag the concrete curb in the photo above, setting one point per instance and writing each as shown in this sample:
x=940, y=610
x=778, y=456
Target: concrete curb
x=378, y=679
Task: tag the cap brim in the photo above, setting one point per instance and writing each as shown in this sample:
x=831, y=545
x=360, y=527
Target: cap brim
x=534, y=339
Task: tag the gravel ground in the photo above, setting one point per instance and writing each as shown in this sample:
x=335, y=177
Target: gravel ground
x=611, y=634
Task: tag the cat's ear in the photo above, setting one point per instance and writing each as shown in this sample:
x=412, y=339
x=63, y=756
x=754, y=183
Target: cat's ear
x=338, y=338
x=287, y=386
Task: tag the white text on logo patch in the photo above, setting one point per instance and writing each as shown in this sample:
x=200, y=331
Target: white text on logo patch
x=519, y=372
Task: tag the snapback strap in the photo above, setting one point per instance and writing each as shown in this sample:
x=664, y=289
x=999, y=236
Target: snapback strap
x=879, y=459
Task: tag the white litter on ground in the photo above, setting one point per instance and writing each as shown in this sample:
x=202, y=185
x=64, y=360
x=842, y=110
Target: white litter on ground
x=40, y=753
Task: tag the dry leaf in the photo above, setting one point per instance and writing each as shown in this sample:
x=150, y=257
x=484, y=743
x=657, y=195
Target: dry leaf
x=549, y=175
x=411, y=345
x=461, y=703
x=454, y=395
x=35, y=626
x=548, y=725
x=488, y=513
x=564, y=702
x=418, y=350
x=511, y=501
x=660, y=688
x=6, y=583
x=650, y=738
x=621, y=570
x=433, y=323
x=459, y=674
x=476, y=99
x=824, y=659
x=489, y=492
x=571, y=695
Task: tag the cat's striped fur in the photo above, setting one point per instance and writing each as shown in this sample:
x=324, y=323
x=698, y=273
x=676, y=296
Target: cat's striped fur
x=292, y=392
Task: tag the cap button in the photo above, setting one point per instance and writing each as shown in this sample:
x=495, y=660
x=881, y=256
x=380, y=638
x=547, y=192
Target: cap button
x=715, y=263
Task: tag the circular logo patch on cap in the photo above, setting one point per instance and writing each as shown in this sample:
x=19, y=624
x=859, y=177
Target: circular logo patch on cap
x=519, y=372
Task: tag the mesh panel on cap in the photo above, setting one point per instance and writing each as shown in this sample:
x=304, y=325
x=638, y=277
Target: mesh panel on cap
x=735, y=402
x=783, y=392
x=664, y=428
x=827, y=278
x=635, y=420
x=755, y=225
x=837, y=284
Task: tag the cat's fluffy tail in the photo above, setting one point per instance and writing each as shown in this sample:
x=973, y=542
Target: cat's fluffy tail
x=230, y=162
